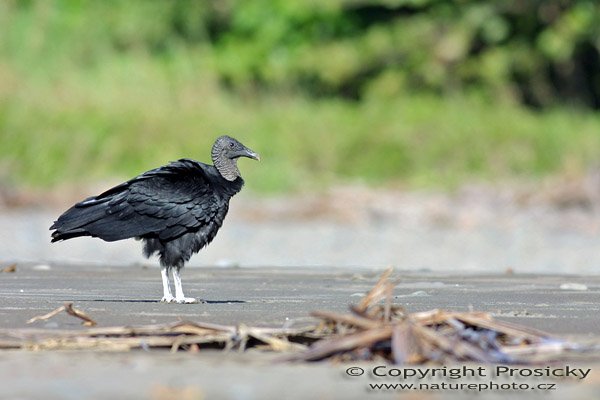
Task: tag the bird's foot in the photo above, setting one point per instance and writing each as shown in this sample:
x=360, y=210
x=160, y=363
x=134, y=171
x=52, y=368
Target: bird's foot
x=186, y=300
x=167, y=299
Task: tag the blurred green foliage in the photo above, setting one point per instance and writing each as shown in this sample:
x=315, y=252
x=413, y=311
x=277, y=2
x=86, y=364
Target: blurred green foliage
x=535, y=52
x=423, y=91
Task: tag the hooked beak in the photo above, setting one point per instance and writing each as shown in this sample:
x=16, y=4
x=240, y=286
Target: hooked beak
x=250, y=154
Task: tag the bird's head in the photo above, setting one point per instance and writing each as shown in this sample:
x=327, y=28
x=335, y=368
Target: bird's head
x=225, y=153
x=226, y=146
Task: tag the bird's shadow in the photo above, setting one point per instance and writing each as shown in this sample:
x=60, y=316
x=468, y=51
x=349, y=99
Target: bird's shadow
x=156, y=301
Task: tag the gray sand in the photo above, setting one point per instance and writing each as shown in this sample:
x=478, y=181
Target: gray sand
x=265, y=297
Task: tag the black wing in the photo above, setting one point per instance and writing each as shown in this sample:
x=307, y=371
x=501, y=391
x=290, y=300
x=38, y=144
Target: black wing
x=165, y=202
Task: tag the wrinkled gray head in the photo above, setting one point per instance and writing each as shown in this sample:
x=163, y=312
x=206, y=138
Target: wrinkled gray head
x=225, y=153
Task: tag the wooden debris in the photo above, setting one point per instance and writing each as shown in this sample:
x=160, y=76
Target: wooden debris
x=68, y=308
x=374, y=330
x=405, y=346
x=87, y=321
x=379, y=292
x=183, y=335
x=9, y=269
x=46, y=316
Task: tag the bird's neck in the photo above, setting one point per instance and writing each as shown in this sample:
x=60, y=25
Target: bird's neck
x=227, y=167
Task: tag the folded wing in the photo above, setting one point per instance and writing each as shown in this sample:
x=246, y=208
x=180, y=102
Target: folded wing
x=162, y=203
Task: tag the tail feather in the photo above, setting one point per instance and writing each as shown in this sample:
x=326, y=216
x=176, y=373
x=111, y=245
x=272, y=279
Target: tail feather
x=74, y=222
x=108, y=217
x=56, y=236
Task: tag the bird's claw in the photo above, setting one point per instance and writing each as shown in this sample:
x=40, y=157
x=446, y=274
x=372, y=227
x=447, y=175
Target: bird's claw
x=167, y=299
x=186, y=300
x=181, y=300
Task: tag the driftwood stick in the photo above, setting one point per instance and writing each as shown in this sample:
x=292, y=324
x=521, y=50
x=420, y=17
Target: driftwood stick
x=87, y=321
x=46, y=316
x=357, y=321
x=376, y=293
x=334, y=345
x=68, y=308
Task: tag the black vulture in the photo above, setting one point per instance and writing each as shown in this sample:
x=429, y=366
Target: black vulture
x=175, y=210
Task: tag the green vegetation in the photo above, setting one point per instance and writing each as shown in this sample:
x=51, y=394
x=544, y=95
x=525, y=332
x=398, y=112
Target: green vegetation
x=419, y=91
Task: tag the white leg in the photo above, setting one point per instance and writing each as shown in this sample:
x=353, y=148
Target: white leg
x=179, y=297
x=167, y=295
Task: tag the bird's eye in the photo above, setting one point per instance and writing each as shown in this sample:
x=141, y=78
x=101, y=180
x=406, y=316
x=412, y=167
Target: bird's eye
x=231, y=144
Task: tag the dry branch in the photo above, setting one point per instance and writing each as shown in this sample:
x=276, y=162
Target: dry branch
x=46, y=316
x=68, y=308
x=87, y=321
x=388, y=331
x=9, y=269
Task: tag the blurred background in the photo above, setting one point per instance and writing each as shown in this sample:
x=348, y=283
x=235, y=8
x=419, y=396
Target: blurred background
x=427, y=134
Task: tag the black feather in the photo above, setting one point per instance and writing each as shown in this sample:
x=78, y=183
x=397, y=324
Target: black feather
x=176, y=209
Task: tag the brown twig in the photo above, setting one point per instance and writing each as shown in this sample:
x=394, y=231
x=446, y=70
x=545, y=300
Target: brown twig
x=376, y=294
x=46, y=316
x=68, y=308
x=349, y=319
x=327, y=347
x=9, y=269
x=87, y=321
